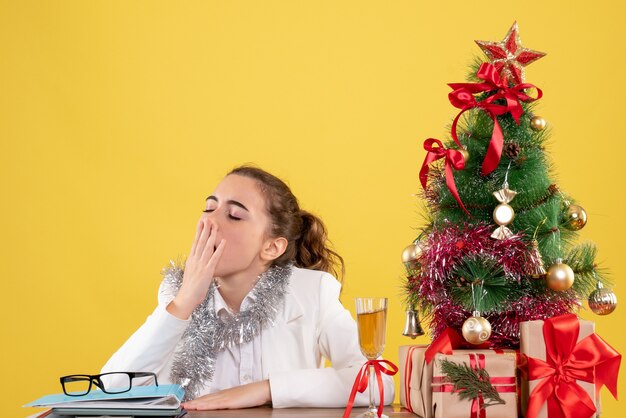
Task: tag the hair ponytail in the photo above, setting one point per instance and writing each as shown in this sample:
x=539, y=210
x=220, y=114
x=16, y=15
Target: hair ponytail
x=312, y=249
x=307, y=240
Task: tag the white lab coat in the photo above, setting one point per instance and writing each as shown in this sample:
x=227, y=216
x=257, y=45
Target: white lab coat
x=311, y=325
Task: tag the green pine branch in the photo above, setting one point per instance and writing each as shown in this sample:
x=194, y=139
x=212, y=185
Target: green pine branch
x=491, y=289
x=469, y=383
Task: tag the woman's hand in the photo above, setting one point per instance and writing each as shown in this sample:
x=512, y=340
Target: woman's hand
x=199, y=270
x=245, y=396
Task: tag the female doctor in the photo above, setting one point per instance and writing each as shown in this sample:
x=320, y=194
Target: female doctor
x=255, y=311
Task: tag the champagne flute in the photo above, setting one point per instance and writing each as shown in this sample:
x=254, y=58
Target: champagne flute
x=371, y=314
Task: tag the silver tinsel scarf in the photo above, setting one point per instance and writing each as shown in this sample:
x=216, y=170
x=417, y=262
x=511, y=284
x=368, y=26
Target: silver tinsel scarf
x=194, y=357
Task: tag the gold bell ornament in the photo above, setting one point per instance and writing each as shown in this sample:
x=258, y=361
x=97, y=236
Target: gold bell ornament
x=412, y=327
x=476, y=329
x=602, y=301
x=560, y=276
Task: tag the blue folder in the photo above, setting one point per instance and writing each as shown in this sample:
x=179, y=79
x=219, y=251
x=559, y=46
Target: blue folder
x=140, y=397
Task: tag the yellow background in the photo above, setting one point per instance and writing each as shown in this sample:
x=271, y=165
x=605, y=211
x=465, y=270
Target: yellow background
x=118, y=118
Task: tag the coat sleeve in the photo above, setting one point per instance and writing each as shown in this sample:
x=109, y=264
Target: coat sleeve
x=338, y=342
x=150, y=348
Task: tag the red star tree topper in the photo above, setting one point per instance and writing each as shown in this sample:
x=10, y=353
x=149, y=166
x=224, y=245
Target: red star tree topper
x=509, y=56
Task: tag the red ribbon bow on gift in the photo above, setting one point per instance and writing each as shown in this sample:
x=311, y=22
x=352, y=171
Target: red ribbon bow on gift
x=362, y=379
x=453, y=159
x=591, y=360
x=463, y=98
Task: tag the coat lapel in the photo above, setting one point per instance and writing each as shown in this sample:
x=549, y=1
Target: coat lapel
x=280, y=340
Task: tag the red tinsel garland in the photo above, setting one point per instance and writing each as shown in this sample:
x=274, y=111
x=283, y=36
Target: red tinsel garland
x=447, y=247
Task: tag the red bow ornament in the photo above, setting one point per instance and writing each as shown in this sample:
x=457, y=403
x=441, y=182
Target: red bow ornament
x=462, y=97
x=453, y=159
x=362, y=380
x=591, y=360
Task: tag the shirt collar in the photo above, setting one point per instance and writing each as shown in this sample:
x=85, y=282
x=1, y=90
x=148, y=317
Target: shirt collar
x=220, y=304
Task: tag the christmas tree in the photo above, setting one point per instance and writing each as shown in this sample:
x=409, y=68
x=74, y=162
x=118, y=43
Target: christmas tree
x=500, y=245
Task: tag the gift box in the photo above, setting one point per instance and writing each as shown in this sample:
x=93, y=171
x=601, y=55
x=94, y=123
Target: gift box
x=566, y=365
x=415, y=380
x=446, y=401
x=416, y=377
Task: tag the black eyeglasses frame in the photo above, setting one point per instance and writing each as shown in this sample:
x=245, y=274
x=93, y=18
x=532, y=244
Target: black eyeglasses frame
x=94, y=379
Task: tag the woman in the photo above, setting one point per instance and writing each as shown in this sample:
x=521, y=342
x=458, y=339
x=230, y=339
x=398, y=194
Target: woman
x=255, y=312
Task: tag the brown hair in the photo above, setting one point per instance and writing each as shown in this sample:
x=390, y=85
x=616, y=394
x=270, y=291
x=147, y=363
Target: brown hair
x=307, y=238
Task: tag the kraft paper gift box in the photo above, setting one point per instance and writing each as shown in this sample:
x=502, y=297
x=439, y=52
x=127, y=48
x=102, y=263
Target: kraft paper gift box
x=446, y=403
x=416, y=377
x=532, y=344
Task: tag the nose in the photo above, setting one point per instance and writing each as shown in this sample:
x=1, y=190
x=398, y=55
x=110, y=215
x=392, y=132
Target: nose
x=210, y=218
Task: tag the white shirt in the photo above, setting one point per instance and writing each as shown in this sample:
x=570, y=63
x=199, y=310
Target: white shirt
x=240, y=364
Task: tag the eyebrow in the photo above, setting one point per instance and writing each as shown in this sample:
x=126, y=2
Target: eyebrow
x=230, y=202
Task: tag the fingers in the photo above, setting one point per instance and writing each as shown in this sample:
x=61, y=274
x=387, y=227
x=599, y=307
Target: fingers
x=217, y=255
x=205, y=233
x=199, y=228
x=245, y=396
x=205, y=403
x=209, y=247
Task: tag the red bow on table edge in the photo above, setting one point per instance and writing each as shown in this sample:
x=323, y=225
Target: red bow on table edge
x=463, y=98
x=591, y=360
x=362, y=379
x=453, y=159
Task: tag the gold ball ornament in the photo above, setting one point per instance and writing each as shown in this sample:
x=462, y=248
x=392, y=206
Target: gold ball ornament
x=466, y=155
x=410, y=255
x=537, y=123
x=560, y=276
x=476, y=329
x=576, y=217
x=602, y=301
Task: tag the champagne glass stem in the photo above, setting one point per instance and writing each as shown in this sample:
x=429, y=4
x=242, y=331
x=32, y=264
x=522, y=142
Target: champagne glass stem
x=372, y=382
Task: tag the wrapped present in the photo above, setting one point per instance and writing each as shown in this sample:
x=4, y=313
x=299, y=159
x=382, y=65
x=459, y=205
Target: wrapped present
x=497, y=399
x=415, y=380
x=416, y=373
x=566, y=365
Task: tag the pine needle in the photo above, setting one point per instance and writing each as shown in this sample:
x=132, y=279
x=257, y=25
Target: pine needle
x=470, y=383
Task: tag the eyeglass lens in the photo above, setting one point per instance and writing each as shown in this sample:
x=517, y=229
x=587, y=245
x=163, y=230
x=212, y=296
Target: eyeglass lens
x=115, y=382
x=76, y=385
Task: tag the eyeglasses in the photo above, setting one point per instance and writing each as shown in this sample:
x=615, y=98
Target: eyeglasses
x=117, y=382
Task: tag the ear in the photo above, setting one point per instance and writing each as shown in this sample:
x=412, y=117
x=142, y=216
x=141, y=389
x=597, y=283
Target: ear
x=273, y=248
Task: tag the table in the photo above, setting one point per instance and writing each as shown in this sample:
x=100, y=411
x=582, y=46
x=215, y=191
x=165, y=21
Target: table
x=265, y=411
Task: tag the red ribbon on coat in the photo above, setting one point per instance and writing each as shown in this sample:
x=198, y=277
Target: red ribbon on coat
x=591, y=360
x=362, y=380
x=462, y=97
x=453, y=159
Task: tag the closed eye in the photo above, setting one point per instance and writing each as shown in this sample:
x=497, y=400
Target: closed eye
x=234, y=218
x=208, y=210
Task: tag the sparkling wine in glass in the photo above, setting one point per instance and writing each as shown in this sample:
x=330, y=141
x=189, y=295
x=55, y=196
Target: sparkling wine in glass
x=371, y=314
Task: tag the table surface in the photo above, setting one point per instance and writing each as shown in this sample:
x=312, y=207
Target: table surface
x=266, y=411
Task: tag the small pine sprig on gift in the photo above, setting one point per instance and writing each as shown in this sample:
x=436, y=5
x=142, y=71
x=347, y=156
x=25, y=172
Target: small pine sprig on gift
x=469, y=383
